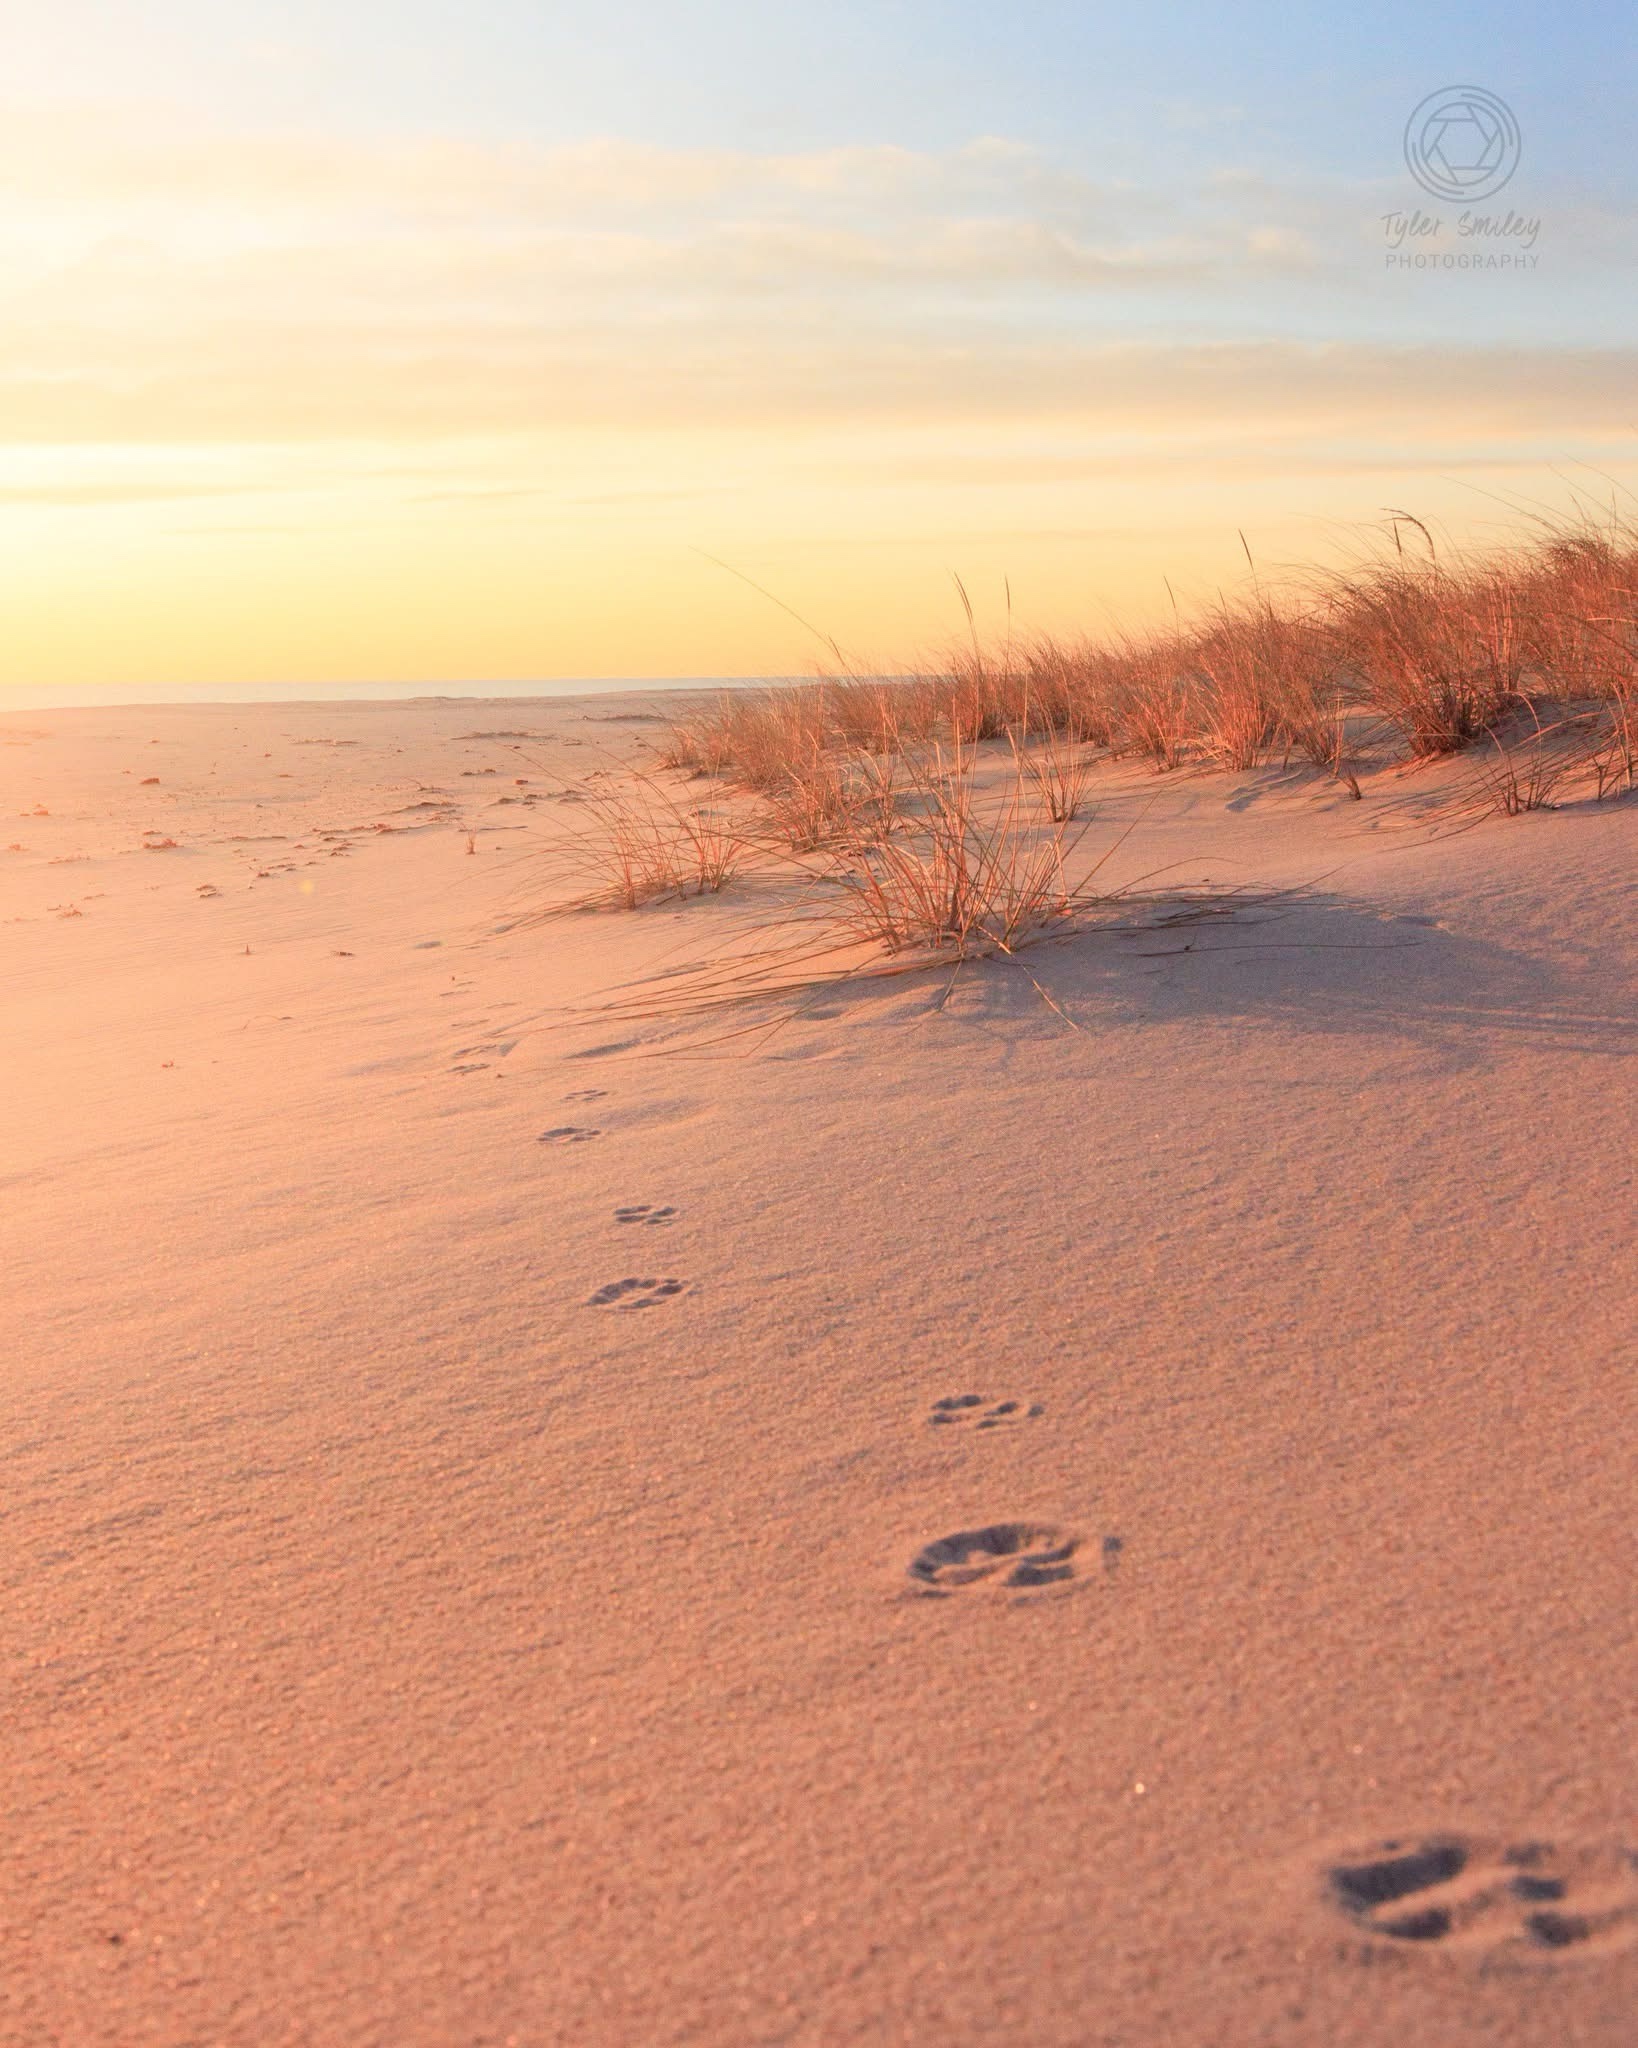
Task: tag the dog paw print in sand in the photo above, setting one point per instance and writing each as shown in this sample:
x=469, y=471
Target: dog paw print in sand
x=1462, y=1895
x=569, y=1134
x=976, y=1412
x=1006, y=1558
x=645, y=1212
x=636, y=1293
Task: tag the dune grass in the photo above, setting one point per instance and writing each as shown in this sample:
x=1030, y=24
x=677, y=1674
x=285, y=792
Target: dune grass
x=861, y=798
x=970, y=864
x=642, y=842
x=955, y=877
x=1424, y=648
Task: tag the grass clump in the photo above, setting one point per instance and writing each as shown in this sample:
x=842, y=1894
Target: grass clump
x=955, y=877
x=1408, y=649
x=642, y=843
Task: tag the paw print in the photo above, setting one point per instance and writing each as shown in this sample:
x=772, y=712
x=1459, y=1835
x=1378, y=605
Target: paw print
x=636, y=1293
x=977, y=1412
x=1007, y=1557
x=1535, y=1901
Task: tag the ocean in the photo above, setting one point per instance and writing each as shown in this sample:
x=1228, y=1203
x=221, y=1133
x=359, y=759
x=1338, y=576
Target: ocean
x=93, y=696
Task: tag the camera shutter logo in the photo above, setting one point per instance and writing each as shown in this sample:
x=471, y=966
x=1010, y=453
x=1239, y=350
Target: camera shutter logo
x=1462, y=143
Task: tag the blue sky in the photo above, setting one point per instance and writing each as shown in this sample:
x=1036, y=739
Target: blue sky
x=1161, y=98
x=1310, y=88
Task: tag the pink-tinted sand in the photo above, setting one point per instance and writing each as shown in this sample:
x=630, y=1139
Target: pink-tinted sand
x=404, y=1647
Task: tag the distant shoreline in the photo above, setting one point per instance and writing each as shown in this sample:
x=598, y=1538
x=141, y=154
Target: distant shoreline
x=116, y=696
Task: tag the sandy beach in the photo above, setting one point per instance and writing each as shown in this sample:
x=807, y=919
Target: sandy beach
x=948, y=1518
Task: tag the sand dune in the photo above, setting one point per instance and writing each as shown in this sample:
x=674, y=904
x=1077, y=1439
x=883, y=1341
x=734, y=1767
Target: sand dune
x=922, y=1525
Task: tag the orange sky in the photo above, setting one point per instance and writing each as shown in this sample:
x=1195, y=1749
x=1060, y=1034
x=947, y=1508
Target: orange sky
x=282, y=406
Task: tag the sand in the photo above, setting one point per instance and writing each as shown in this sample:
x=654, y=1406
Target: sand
x=406, y=1646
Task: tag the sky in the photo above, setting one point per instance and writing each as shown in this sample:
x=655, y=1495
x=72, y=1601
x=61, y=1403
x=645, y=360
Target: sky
x=428, y=344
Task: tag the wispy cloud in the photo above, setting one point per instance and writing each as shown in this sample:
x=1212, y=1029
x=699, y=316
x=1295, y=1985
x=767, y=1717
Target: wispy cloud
x=158, y=286
x=440, y=352
x=275, y=381
x=154, y=282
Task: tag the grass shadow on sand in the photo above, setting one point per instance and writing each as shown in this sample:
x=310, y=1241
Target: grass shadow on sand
x=1311, y=964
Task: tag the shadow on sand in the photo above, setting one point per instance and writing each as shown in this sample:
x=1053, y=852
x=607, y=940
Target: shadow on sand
x=1313, y=964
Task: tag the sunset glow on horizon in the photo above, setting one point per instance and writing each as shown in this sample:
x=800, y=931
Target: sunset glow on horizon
x=331, y=357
